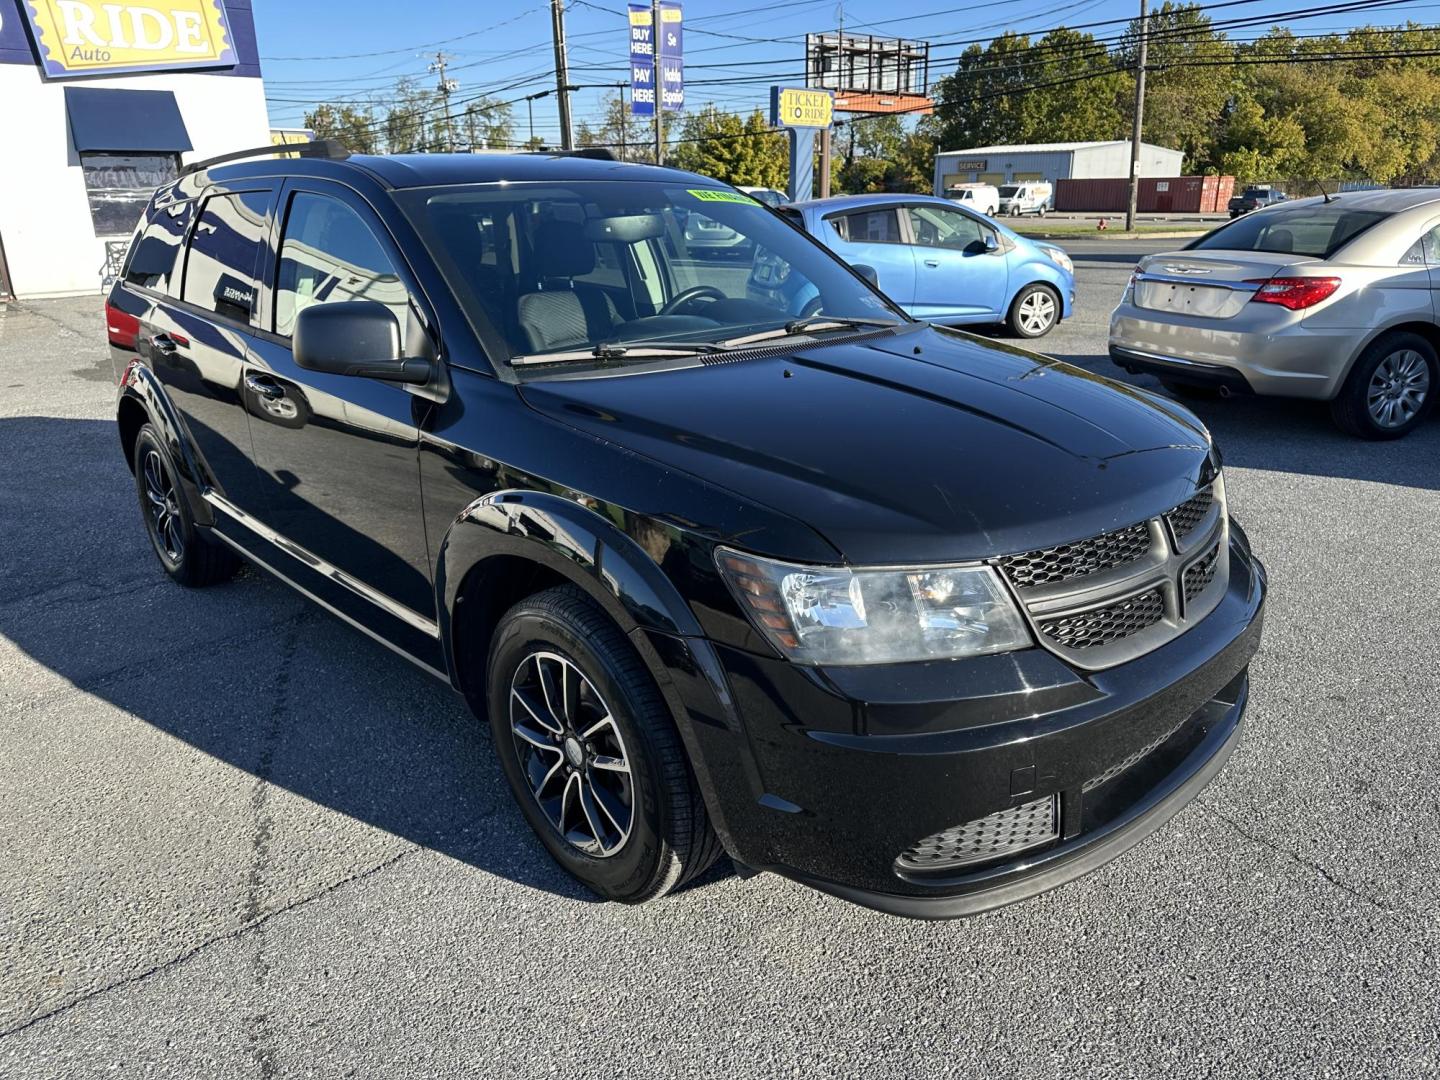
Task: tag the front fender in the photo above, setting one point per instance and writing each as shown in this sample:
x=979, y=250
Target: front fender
x=588, y=549
x=139, y=385
x=570, y=539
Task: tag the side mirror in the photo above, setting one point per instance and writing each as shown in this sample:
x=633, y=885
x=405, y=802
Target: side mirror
x=992, y=242
x=868, y=273
x=355, y=337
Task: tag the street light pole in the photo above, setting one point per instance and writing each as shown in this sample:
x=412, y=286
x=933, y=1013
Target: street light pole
x=1139, y=123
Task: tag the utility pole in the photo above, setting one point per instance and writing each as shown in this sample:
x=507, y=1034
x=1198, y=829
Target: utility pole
x=1139, y=119
x=562, y=73
x=445, y=88
x=659, y=80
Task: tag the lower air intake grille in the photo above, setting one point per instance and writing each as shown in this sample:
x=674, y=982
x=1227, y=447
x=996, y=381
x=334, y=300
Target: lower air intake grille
x=1132, y=760
x=1046, y=566
x=995, y=836
x=1185, y=517
x=1101, y=626
x=1199, y=575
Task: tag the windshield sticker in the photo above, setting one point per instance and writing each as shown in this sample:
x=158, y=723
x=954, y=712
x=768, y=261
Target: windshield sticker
x=711, y=195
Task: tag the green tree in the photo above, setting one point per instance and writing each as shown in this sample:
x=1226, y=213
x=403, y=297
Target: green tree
x=717, y=143
x=630, y=137
x=487, y=123
x=1188, y=79
x=352, y=125
x=408, y=120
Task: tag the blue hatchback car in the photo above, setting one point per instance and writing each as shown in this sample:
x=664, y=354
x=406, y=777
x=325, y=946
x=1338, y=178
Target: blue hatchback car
x=937, y=260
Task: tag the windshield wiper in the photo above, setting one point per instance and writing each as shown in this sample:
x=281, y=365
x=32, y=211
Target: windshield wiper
x=614, y=351
x=809, y=324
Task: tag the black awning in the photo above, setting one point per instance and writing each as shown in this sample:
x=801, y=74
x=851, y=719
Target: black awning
x=125, y=121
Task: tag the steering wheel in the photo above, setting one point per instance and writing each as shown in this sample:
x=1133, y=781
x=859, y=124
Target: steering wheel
x=695, y=292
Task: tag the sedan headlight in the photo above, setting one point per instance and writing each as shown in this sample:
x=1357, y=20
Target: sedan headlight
x=835, y=615
x=1059, y=257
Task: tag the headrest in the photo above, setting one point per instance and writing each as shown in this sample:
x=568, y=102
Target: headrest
x=562, y=249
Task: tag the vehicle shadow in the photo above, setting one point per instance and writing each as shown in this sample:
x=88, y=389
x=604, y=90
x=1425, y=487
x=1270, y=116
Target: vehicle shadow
x=247, y=672
x=1296, y=436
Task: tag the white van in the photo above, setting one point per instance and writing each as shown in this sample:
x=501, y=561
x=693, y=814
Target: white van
x=982, y=198
x=1028, y=197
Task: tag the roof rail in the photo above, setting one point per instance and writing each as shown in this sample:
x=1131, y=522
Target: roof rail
x=332, y=149
x=598, y=153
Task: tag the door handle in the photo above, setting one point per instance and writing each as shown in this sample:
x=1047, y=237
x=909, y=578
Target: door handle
x=932, y=262
x=264, y=386
x=164, y=344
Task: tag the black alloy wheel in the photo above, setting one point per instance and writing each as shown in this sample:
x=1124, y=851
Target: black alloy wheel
x=188, y=556
x=572, y=754
x=591, y=752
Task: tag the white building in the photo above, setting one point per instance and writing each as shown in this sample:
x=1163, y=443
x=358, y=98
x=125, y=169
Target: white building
x=103, y=100
x=1050, y=161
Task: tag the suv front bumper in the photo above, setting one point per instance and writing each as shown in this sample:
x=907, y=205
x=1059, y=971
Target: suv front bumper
x=829, y=776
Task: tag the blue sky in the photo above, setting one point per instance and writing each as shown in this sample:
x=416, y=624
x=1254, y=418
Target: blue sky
x=310, y=51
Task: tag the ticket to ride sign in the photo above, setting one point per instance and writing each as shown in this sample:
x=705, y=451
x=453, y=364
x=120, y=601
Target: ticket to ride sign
x=801, y=108
x=81, y=37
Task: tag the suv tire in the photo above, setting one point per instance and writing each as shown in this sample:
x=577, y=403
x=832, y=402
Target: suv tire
x=1391, y=388
x=569, y=703
x=1029, y=315
x=189, y=557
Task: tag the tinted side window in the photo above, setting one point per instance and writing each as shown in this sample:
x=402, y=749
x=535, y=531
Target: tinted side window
x=330, y=254
x=870, y=227
x=224, y=251
x=154, y=259
x=935, y=226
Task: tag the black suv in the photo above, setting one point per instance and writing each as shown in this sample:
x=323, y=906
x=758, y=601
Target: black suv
x=733, y=557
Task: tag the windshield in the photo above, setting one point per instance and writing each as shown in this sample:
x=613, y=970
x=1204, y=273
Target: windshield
x=1009, y=191
x=1317, y=230
x=561, y=268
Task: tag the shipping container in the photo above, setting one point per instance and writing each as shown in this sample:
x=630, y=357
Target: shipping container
x=1157, y=195
x=1101, y=195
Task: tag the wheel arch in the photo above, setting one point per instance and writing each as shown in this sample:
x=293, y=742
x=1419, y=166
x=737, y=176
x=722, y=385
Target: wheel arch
x=1427, y=330
x=143, y=400
x=510, y=544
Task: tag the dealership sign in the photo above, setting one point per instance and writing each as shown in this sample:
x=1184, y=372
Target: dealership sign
x=801, y=108
x=646, y=46
x=83, y=37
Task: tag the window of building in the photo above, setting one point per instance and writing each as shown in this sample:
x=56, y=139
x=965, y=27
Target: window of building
x=224, y=251
x=329, y=254
x=120, y=186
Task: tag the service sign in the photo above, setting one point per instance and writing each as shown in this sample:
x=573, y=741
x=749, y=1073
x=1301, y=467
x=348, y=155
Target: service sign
x=801, y=108
x=85, y=37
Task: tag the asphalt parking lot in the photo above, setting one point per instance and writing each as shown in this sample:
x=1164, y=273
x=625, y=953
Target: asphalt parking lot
x=240, y=839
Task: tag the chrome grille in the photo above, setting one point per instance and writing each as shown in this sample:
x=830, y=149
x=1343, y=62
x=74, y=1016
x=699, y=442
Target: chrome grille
x=994, y=836
x=1199, y=575
x=1101, y=626
x=1186, y=517
x=1047, y=566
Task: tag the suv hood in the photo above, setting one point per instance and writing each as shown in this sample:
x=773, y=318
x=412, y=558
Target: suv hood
x=925, y=445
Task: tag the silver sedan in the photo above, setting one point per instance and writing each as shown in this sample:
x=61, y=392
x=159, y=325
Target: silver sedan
x=1330, y=298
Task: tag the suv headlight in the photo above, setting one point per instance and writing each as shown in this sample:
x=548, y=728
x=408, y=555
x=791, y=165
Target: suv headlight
x=1059, y=257
x=835, y=615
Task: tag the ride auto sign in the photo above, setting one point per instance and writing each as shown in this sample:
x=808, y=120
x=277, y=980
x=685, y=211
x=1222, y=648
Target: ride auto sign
x=82, y=37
